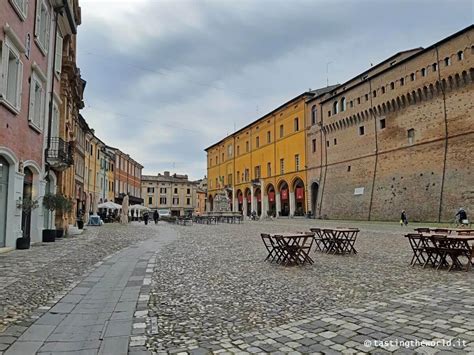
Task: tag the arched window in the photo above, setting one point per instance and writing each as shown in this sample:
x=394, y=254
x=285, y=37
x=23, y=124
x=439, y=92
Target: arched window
x=392, y=85
x=343, y=104
x=460, y=55
x=447, y=61
x=334, y=108
x=423, y=72
x=313, y=114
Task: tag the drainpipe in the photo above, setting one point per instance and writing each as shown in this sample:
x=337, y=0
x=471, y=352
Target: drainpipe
x=376, y=152
x=445, y=116
x=323, y=144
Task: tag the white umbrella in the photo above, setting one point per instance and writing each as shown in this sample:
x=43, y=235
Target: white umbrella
x=124, y=215
x=139, y=208
x=110, y=205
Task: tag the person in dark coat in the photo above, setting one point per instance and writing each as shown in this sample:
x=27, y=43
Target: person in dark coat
x=156, y=216
x=145, y=217
x=403, y=219
x=461, y=215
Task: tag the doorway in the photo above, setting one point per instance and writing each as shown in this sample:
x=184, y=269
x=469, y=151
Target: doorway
x=314, y=198
x=4, y=167
x=27, y=195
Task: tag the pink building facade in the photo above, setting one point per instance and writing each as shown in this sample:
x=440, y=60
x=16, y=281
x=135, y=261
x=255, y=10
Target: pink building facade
x=31, y=36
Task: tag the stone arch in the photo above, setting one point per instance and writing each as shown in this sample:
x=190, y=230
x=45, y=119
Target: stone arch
x=10, y=156
x=465, y=78
x=384, y=108
x=247, y=201
x=457, y=80
x=284, y=191
x=431, y=90
x=419, y=94
x=414, y=98
x=444, y=85
x=394, y=105
x=298, y=189
x=399, y=102
x=404, y=101
x=450, y=82
x=240, y=200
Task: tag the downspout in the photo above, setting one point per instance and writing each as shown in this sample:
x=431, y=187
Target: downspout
x=376, y=151
x=323, y=144
x=445, y=116
x=306, y=130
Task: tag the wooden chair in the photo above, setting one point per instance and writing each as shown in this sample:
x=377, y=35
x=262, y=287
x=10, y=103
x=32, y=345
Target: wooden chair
x=417, y=246
x=273, y=249
x=436, y=251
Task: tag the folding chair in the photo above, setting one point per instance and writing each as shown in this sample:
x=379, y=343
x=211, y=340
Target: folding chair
x=274, y=251
x=418, y=249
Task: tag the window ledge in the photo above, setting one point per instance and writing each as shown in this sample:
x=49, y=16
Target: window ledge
x=9, y=106
x=35, y=127
x=41, y=47
x=20, y=13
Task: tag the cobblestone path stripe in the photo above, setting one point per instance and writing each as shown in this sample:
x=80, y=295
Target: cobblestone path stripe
x=103, y=313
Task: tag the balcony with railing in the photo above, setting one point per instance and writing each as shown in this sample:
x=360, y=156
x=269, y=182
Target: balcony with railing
x=59, y=156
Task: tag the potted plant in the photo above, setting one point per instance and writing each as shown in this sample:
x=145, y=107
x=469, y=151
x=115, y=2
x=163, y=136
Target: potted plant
x=27, y=205
x=61, y=204
x=80, y=220
x=64, y=206
x=50, y=202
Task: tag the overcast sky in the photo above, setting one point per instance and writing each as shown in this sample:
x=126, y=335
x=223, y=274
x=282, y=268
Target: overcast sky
x=166, y=79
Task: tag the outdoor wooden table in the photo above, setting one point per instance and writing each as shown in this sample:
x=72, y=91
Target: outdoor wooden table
x=435, y=249
x=339, y=240
x=289, y=248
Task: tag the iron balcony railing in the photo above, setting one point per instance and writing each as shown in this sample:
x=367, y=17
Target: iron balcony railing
x=59, y=155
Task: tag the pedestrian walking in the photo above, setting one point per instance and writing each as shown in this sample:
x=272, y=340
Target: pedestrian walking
x=403, y=219
x=462, y=217
x=145, y=218
x=156, y=216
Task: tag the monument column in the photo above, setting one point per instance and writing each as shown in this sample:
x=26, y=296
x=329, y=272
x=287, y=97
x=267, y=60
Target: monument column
x=252, y=199
x=277, y=203
x=292, y=203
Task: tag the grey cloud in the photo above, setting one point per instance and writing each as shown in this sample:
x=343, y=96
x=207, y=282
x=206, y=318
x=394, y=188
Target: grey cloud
x=194, y=68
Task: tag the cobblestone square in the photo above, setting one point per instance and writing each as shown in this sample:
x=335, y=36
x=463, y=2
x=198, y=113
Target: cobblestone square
x=214, y=292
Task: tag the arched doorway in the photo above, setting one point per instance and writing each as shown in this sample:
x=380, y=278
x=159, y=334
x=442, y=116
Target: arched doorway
x=258, y=197
x=284, y=198
x=211, y=203
x=314, y=198
x=271, y=200
x=27, y=195
x=240, y=200
x=4, y=168
x=300, y=205
x=248, y=201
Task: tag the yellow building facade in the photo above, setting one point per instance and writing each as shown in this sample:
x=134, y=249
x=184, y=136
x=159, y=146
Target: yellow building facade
x=262, y=166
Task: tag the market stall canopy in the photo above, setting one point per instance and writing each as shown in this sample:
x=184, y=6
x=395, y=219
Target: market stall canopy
x=139, y=208
x=110, y=205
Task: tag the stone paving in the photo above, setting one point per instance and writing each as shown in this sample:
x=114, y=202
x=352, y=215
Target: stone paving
x=36, y=279
x=212, y=292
